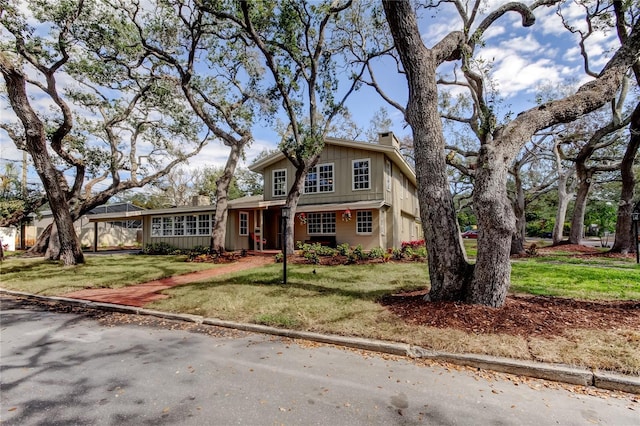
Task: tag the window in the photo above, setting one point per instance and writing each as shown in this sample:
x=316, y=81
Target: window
x=280, y=183
x=191, y=225
x=321, y=223
x=364, y=222
x=167, y=226
x=326, y=177
x=405, y=189
x=319, y=179
x=179, y=226
x=204, y=224
x=361, y=174
x=387, y=173
x=244, y=224
x=311, y=181
x=156, y=227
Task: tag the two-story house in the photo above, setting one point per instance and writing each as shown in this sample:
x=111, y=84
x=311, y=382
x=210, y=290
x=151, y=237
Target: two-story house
x=358, y=193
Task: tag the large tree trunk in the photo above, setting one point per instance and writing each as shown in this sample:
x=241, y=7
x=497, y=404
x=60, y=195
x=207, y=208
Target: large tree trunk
x=222, y=199
x=563, y=204
x=293, y=197
x=577, y=220
x=519, y=237
x=624, y=233
x=449, y=271
x=70, y=249
x=496, y=224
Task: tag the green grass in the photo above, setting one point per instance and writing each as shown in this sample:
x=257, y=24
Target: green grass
x=343, y=300
x=38, y=276
x=339, y=299
x=582, y=280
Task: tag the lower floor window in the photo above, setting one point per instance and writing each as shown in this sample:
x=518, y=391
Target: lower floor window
x=364, y=222
x=321, y=223
x=178, y=226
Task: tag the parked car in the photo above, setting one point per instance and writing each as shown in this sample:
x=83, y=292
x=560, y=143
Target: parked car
x=470, y=234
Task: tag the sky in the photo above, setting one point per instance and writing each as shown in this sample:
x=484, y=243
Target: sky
x=520, y=59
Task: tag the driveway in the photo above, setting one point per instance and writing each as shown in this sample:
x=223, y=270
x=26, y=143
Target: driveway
x=99, y=368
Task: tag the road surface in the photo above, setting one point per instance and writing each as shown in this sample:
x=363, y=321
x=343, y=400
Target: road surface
x=74, y=368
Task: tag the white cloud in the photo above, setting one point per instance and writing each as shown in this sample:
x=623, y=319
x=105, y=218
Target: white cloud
x=494, y=31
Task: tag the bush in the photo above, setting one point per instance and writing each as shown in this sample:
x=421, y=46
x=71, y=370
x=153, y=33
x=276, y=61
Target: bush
x=396, y=253
x=160, y=249
x=376, y=253
x=358, y=252
x=414, y=244
x=343, y=249
x=312, y=257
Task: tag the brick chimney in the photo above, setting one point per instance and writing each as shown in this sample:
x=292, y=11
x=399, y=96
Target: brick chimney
x=388, y=139
x=200, y=200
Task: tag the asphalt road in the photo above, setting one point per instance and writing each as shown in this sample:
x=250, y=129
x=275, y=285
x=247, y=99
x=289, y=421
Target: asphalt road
x=74, y=368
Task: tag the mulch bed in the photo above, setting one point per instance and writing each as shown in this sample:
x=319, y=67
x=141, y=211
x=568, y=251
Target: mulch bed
x=521, y=315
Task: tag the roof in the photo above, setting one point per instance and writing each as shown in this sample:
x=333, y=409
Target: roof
x=105, y=208
x=117, y=216
x=249, y=202
x=393, y=153
x=329, y=207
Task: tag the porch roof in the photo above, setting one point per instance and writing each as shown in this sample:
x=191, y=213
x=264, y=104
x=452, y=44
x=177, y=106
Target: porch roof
x=353, y=205
x=132, y=215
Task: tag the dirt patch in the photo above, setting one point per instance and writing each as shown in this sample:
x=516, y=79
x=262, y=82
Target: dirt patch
x=521, y=316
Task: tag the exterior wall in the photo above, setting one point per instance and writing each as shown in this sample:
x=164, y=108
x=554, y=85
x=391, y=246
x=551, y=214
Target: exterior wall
x=235, y=241
x=184, y=241
x=108, y=235
x=346, y=232
x=342, y=159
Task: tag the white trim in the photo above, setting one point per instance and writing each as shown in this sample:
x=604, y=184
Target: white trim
x=317, y=171
x=361, y=212
x=353, y=176
x=273, y=183
x=246, y=214
x=322, y=215
x=355, y=205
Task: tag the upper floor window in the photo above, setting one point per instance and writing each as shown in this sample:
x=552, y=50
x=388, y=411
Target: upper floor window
x=244, y=224
x=387, y=173
x=361, y=174
x=319, y=179
x=280, y=183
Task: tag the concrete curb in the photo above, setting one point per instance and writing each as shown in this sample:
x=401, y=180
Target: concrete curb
x=539, y=370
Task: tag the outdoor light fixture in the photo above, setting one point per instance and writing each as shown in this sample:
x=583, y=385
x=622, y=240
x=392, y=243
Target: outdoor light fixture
x=285, y=213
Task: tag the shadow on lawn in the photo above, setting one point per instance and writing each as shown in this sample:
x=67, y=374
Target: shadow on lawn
x=305, y=280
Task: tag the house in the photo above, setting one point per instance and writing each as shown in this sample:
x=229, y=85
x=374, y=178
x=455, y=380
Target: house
x=358, y=193
x=118, y=232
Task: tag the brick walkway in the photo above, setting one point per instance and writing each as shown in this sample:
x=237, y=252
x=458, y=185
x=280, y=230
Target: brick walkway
x=141, y=294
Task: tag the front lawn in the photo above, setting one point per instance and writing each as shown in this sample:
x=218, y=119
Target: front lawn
x=345, y=300
x=38, y=276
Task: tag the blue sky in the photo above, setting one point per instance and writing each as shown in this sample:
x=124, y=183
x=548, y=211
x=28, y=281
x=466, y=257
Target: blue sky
x=521, y=60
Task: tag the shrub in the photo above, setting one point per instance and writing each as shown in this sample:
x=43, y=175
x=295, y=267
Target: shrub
x=343, y=249
x=312, y=257
x=279, y=258
x=414, y=244
x=358, y=252
x=161, y=248
x=376, y=253
x=397, y=253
